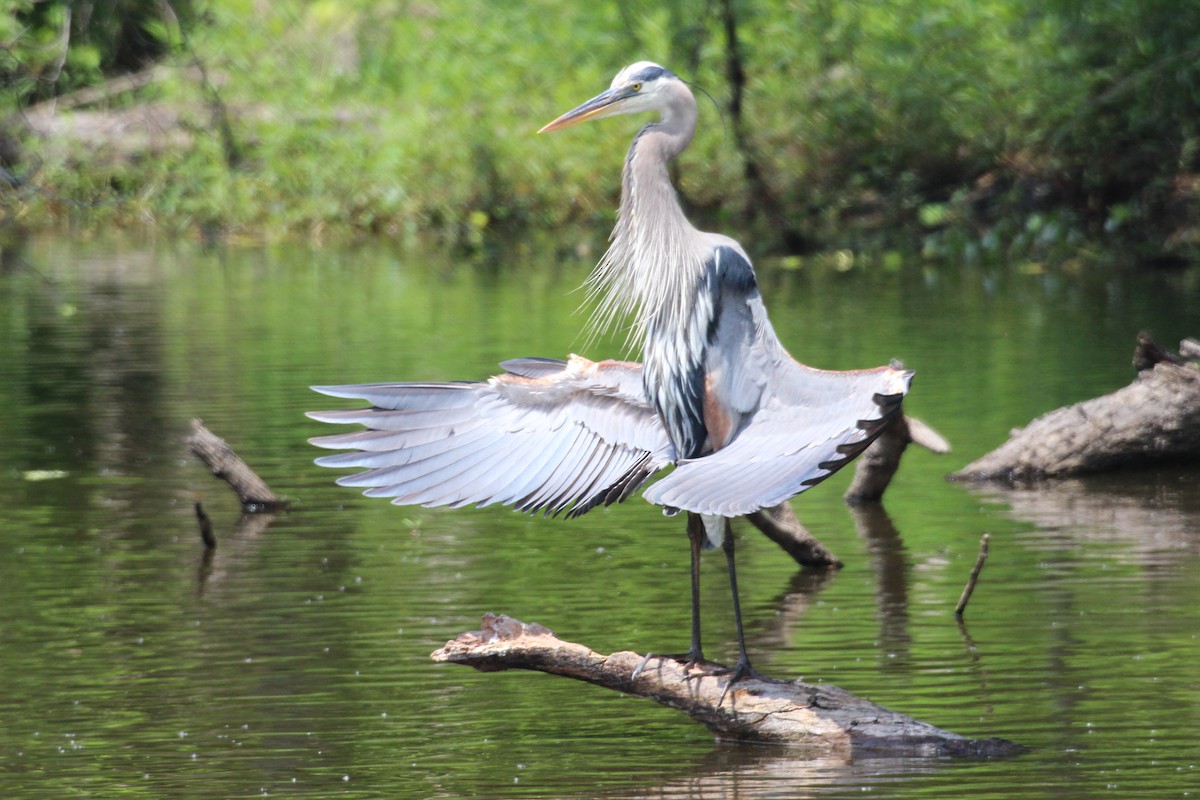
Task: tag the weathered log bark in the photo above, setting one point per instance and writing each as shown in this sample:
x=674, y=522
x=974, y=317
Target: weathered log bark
x=227, y=465
x=1156, y=418
x=822, y=719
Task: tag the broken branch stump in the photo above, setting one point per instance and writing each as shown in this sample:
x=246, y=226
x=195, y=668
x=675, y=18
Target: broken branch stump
x=822, y=719
x=875, y=468
x=227, y=465
x=973, y=578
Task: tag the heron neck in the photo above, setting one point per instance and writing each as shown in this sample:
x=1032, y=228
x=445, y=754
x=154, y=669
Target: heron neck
x=656, y=258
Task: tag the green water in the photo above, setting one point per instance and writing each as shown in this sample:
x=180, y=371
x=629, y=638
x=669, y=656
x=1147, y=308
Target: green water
x=294, y=661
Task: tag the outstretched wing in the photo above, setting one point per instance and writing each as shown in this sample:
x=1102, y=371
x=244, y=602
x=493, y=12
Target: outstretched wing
x=811, y=424
x=547, y=435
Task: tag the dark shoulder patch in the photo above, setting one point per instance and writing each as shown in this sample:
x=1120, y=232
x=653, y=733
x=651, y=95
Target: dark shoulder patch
x=734, y=271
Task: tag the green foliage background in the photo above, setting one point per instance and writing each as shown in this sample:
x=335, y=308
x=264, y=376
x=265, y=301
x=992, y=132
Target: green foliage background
x=952, y=125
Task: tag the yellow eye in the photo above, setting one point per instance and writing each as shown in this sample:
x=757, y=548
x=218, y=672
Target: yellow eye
x=637, y=87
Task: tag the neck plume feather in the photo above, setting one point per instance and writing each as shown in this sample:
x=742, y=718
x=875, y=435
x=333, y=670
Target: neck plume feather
x=655, y=262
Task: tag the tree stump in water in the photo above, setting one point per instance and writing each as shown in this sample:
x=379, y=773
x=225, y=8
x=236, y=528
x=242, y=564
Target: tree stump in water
x=1156, y=418
x=874, y=469
x=824, y=720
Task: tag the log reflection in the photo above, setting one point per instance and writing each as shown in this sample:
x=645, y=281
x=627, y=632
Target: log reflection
x=1155, y=515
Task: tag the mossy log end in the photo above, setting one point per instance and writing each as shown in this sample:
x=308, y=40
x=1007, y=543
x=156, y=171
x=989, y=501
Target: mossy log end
x=822, y=720
x=1154, y=419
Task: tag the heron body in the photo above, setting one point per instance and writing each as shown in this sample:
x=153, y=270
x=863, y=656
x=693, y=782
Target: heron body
x=745, y=425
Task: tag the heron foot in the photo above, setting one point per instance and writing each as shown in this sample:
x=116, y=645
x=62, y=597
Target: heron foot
x=695, y=664
x=740, y=672
x=691, y=662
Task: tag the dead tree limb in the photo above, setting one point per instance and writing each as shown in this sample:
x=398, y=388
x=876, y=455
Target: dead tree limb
x=219, y=457
x=781, y=526
x=973, y=578
x=822, y=719
x=1154, y=419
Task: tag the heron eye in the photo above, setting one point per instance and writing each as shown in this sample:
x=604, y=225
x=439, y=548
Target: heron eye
x=637, y=87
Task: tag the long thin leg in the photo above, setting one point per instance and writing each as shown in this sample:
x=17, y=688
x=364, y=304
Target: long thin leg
x=743, y=665
x=696, y=536
x=695, y=655
x=742, y=669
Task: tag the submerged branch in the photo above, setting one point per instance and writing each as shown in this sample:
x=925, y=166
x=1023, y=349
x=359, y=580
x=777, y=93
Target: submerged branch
x=227, y=465
x=781, y=526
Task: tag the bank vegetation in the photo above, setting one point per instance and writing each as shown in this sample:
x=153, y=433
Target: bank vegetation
x=975, y=128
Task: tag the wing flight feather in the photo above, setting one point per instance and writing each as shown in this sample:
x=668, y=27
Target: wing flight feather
x=546, y=435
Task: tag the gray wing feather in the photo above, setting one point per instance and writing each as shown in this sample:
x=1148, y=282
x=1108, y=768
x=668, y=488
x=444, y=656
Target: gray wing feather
x=549, y=435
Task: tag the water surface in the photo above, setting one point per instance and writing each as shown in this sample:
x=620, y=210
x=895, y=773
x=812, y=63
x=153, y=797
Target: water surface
x=293, y=660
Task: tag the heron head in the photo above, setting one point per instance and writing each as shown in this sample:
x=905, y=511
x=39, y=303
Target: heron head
x=643, y=86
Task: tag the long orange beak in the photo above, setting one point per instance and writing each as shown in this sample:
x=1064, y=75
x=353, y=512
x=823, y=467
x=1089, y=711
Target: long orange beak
x=602, y=105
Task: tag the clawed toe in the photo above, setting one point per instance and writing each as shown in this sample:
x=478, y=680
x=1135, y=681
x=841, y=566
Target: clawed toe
x=739, y=672
x=694, y=664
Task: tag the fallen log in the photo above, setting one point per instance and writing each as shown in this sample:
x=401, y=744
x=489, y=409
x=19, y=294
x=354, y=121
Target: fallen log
x=821, y=719
x=1154, y=419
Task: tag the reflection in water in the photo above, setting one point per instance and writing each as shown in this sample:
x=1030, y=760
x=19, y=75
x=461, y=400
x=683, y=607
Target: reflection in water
x=791, y=606
x=93, y=391
x=892, y=570
x=1153, y=515
x=232, y=552
x=889, y=560
x=759, y=772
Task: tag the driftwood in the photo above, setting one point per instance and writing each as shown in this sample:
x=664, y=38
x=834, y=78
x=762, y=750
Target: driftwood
x=1154, y=419
x=227, y=465
x=824, y=720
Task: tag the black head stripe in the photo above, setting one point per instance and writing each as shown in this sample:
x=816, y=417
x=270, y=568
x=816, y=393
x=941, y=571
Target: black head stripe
x=648, y=74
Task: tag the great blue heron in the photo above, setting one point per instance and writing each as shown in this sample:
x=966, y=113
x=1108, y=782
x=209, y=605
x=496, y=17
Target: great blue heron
x=745, y=424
